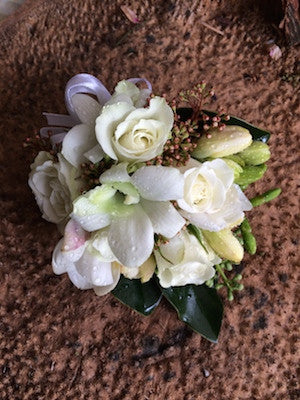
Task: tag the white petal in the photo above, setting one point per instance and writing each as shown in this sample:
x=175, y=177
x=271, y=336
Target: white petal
x=102, y=290
x=93, y=269
x=165, y=219
x=192, y=163
x=86, y=108
x=92, y=222
x=59, y=262
x=95, y=154
x=131, y=238
x=223, y=172
x=107, y=123
x=117, y=173
x=69, y=176
x=209, y=222
x=100, y=243
x=173, y=251
x=244, y=203
x=77, y=279
x=159, y=183
x=78, y=141
x=74, y=236
x=158, y=110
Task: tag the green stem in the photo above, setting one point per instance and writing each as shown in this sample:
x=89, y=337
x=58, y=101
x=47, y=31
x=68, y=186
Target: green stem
x=224, y=277
x=265, y=197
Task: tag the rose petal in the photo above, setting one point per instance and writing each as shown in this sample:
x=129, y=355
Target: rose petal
x=107, y=123
x=158, y=110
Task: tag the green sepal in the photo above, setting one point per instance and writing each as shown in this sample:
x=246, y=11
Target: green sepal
x=199, y=307
x=141, y=297
x=250, y=174
x=257, y=153
x=194, y=230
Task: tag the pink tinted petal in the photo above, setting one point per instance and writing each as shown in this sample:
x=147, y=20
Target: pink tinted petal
x=74, y=237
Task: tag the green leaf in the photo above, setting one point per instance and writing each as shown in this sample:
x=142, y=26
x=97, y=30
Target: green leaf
x=257, y=133
x=142, y=297
x=198, y=306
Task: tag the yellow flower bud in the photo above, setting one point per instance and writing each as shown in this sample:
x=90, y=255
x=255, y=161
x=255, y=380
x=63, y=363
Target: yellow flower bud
x=225, y=244
x=231, y=140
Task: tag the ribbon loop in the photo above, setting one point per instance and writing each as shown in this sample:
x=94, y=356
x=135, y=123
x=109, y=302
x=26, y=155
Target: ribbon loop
x=85, y=83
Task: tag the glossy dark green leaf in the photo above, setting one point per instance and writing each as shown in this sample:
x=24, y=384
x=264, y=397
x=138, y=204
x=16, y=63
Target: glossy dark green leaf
x=198, y=306
x=142, y=297
x=257, y=133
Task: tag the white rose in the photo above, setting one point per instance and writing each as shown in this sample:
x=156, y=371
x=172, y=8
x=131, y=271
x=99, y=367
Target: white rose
x=127, y=133
x=89, y=262
x=130, y=93
x=184, y=261
x=54, y=186
x=211, y=200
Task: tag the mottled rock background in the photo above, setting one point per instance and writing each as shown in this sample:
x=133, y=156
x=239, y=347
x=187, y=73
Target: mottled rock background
x=57, y=342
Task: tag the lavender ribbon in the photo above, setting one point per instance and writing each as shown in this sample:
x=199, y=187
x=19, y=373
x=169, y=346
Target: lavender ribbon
x=80, y=83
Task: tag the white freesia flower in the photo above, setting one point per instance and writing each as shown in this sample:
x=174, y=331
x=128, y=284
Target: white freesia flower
x=55, y=186
x=183, y=260
x=134, y=207
x=211, y=200
x=127, y=133
x=88, y=261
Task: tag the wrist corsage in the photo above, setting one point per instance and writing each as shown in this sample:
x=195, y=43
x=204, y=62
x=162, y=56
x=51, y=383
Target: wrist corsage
x=149, y=196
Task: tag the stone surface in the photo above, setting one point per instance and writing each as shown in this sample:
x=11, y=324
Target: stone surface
x=57, y=342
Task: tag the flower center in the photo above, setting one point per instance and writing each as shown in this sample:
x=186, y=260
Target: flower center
x=200, y=191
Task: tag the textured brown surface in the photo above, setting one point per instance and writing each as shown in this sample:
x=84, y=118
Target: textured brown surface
x=57, y=342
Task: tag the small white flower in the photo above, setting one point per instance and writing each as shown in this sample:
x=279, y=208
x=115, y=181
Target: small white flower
x=134, y=207
x=127, y=133
x=88, y=261
x=183, y=260
x=211, y=200
x=54, y=185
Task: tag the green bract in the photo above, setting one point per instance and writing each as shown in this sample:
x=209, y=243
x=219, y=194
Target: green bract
x=257, y=153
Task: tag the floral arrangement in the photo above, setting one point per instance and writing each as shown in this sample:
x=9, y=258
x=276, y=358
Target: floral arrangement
x=149, y=196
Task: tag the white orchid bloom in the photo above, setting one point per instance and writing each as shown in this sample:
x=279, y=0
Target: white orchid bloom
x=87, y=259
x=134, y=207
x=211, y=200
x=183, y=260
